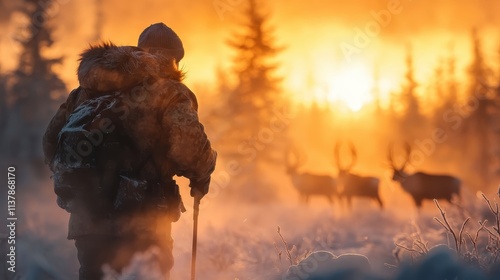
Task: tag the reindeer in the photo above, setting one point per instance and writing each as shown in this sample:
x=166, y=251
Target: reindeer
x=308, y=184
x=421, y=185
x=354, y=185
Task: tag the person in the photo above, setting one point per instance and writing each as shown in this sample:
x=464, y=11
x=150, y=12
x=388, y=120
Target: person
x=115, y=145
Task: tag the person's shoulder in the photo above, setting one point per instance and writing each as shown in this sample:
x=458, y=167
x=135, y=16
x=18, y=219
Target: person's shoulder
x=186, y=93
x=173, y=92
x=74, y=94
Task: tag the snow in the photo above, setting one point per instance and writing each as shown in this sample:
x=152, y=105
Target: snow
x=239, y=240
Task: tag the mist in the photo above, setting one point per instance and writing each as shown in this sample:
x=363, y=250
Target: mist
x=379, y=76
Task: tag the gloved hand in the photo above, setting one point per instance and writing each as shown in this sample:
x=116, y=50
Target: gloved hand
x=196, y=193
x=199, y=188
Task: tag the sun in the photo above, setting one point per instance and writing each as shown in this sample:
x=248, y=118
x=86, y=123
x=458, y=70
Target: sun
x=346, y=86
x=351, y=85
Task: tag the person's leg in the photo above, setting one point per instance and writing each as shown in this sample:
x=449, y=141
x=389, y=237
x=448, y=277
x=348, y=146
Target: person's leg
x=166, y=258
x=165, y=243
x=128, y=246
x=96, y=250
x=93, y=252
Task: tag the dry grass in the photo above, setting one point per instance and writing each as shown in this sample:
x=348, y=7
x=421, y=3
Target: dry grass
x=478, y=246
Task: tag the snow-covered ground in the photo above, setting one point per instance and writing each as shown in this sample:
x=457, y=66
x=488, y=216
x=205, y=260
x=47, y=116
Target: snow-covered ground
x=240, y=240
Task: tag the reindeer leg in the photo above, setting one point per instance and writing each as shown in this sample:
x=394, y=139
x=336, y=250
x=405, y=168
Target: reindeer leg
x=349, y=202
x=330, y=199
x=418, y=203
x=380, y=202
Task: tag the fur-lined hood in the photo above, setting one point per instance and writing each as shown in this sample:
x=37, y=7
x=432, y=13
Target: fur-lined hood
x=106, y=67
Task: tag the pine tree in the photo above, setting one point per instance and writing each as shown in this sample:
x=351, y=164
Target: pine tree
x=257, y=88
x=251, y=102
x=412, y=107
x=477, y=126
x=412, y=120
x=496, y=119
x=439, y=92
x=439, y=83
x=376, y=91
x=99, y=22
x=36, y=89
x=256, y=93
x=446, y=88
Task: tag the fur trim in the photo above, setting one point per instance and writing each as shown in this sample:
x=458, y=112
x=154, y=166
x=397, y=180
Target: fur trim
x=106, y=67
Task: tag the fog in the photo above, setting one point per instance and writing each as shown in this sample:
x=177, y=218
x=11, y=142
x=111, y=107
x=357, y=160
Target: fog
x=377, y=75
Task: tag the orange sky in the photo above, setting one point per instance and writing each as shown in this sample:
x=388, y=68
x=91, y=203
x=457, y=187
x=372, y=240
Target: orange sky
x=315, y=34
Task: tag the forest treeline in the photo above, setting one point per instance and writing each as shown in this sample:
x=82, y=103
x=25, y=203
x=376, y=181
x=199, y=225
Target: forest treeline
x=250, y=122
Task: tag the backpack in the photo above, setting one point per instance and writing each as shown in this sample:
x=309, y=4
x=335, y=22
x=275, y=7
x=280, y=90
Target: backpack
x=95, y=164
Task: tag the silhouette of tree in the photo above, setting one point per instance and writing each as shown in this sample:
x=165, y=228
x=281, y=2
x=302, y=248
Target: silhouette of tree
x=99, y=22
x=36, y=90
x=439, y=83
x=376, y=91
x=412, y=120
x=440, y=92
x=250, y=101
x=496, y=119
x=446, y=111
x=257, y=87
x=477, y=126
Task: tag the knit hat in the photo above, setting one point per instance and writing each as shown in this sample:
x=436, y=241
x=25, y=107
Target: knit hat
x=160, y=36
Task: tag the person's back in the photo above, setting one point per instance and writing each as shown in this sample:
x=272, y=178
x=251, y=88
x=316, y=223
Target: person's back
x=149, y=131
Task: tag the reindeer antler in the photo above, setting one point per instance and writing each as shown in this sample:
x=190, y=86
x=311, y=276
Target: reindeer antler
x=293, y=158
x=352, y=149
x=389, y=155
x=354, y=155
x=391, y=158
x=408, y=153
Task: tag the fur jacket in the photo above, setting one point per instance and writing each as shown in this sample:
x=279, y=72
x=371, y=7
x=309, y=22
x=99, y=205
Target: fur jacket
x=159, y=114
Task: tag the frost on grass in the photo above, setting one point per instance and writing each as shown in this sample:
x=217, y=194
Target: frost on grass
x=472, y=252
x=243, y=243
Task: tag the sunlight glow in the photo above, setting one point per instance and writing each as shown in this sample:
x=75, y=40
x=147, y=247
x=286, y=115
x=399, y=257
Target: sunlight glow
x=352, y=86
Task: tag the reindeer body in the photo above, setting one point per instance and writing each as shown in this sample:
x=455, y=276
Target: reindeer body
x=308, y=184
x=359, y=186
x=428, y=186
x=422, y=185
x=353, y=185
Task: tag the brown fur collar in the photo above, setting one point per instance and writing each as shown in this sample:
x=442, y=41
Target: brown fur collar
x=107, y=67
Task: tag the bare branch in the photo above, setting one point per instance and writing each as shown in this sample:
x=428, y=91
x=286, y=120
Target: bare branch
x=279, y=254
x=496, y=211
x=423, y=247
x=408, y=249
x=288, y=254
x=461, y=233
x=447, y=225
